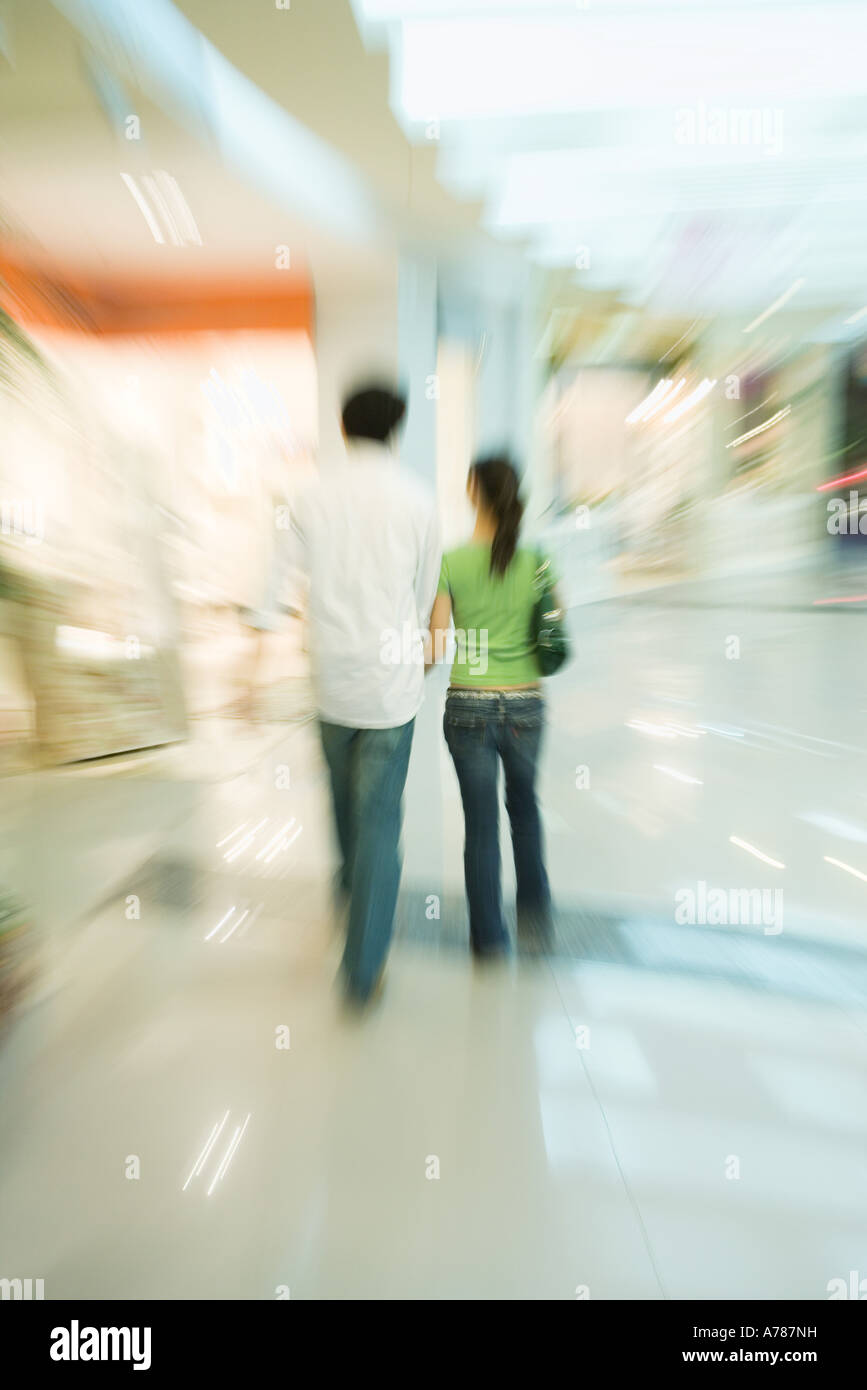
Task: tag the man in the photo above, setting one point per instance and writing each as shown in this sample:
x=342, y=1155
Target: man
x=369, y=543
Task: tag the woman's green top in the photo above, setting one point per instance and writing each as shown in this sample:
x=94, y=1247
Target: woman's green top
x=492, y=615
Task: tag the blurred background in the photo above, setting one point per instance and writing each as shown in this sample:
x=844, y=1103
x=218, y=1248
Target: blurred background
x=645, y=278
x=624, y=239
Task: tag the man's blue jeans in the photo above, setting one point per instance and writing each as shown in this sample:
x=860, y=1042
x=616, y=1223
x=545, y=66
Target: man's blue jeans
x=368, y=772
x=481, y=732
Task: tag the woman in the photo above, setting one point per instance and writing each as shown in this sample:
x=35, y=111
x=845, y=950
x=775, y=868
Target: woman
x=495, y=708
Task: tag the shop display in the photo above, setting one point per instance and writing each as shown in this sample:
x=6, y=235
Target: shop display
x=156, y=472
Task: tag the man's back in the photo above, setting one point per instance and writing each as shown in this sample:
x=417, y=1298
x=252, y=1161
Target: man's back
x=371, y=549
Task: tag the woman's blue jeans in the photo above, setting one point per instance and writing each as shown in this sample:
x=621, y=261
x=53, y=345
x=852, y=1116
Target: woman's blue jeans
x=483, y=731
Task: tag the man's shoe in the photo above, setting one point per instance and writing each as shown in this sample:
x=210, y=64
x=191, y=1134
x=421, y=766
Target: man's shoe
x=340, y=904
x=355, y=1003
x=535, y=934
x=491, y=955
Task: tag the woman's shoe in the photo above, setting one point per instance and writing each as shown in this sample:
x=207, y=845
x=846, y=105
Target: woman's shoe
x=535, y=933
x=489, y=955
x=356, y=1004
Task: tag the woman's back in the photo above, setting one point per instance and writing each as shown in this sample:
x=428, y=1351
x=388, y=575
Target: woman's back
x=495, y=710
x=492, y=614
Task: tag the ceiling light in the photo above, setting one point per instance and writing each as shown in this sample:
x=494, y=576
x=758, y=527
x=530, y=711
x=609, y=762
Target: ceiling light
x=658, y=393
x=759, y=429
x=666, y=401
x=692, y=399
x=144, y=208
x=777, y=304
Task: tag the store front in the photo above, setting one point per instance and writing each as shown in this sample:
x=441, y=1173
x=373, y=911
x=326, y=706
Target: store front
x=143, y=464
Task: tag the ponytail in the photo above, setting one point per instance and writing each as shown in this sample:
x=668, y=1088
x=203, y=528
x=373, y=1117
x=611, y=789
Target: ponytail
x=498, y=484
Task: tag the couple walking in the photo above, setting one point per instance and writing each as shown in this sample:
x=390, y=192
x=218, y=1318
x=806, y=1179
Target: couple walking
x=369, y=544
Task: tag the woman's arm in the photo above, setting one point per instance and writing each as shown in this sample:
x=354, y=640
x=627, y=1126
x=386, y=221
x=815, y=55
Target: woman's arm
x=440, y=620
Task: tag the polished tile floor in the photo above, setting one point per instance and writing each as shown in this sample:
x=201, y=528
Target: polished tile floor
x=661, y=1110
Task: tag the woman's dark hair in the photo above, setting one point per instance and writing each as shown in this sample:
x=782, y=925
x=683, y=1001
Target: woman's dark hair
x=497, y=481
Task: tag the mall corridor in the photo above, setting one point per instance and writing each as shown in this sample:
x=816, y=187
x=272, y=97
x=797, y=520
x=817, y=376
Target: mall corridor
x=495, y=372
x=659, y=1110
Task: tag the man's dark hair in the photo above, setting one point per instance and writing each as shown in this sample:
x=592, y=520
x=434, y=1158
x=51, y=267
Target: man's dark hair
x=373, y=413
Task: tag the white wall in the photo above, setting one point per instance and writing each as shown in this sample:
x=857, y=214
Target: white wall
x=356, y=340
x=455, y=415
x=595, y=444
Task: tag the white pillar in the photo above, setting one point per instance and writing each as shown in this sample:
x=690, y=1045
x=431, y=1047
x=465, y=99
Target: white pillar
x=356, y=342
x=417, y=337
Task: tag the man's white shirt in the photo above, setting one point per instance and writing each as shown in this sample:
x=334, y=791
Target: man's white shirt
x=367, y=536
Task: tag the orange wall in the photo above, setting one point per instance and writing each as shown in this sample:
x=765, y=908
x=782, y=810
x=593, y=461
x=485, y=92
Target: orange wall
x=36, y=296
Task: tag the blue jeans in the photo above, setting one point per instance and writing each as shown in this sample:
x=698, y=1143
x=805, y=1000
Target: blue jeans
x=368, y=772
x=481, y=732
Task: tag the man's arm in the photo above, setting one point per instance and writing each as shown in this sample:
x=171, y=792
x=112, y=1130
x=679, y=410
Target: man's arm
x=428, y=570
x=287, y=557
